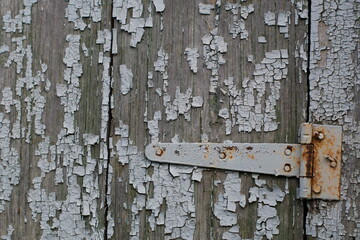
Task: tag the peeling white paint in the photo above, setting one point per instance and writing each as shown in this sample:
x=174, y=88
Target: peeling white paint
x=137, y=23
x=192, y=56
x=78, y=10
x=159, y=5
x=246, y=109
x=10, y=231
x=9, y=164
x=261, y=39
x=281, y=19
x=214, y=48
x=126, y=77
x=153, y=126
x=333, y=98
x=172, y=203
x=162, y=61
x=240, y=13
x=205, y=9
x=181, y=104
x=267, y=199
x=23, y=17
x=227, y=203
x=69, y=160
x=4, y=49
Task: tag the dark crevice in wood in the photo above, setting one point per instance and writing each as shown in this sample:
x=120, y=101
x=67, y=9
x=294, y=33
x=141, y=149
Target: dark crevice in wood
x=305, y=206
x=308, y=63
x=109, y=126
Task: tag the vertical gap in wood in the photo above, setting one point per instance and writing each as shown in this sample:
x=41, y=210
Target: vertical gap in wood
x=305, y=206
x=308, y=63
x=109, y=123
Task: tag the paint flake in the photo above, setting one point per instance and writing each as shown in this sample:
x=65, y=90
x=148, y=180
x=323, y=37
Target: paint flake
x=126, y=77
x=205, y=9
x=192, y=56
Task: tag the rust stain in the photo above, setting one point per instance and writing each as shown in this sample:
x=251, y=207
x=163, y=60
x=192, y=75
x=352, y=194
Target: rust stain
x=206, y=155
x=324, y=175
x=160, y=151
x=230, y=148
x=249, y=148
x=290, y=147
x=251, y=156
x=308, y=157
x=229, y=151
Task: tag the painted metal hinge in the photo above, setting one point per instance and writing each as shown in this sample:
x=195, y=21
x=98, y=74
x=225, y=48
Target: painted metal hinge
x=316, y=160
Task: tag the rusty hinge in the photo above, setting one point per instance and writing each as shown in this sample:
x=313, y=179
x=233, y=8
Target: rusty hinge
x=316, y=161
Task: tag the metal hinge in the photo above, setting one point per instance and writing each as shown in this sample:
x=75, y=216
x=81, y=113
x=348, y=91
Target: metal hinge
x=316, y=161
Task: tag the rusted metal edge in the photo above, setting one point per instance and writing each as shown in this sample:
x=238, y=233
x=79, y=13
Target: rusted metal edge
x=316, y=161
x=326, y=181
x=306, y=170
x=274, y=159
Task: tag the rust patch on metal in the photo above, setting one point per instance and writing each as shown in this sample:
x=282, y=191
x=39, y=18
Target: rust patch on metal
x=251, y=156
x=287, y=167
x=231, y=148
x=308, y=157
x=229, y=151
x=206, y=155
x=290, y=148
x=160, y=151
x=327, y=162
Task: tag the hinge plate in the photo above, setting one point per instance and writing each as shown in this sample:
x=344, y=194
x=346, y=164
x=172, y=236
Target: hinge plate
x=266, y=158
x=327, y=162
x=316, y=161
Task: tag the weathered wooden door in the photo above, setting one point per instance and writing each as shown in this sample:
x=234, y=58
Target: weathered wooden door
x=87, y=84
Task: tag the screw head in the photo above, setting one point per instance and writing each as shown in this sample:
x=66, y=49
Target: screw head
x=159, y=152
x=222, y=155
x=333, y=164
x=287, y=167
x=319, y=135
x=288, y=151
x=317, y=188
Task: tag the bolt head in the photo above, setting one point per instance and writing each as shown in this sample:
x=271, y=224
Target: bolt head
x=333, y=164
x=320, y=135
x=159, y=152
x=287, y=167
x=288, y=151
x=317, y=188
x=222, y=155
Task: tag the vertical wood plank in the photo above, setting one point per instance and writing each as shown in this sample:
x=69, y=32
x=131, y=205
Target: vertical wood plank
x=53, y=102
x=102, y=79
x=334, y=99
x=175, y=206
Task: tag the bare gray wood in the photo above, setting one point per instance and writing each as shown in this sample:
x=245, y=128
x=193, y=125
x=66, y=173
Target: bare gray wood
x=46, y=35
x=185, y=29
x=334, y=99
x=130, y=197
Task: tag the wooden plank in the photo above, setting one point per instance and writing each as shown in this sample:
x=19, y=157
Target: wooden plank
x=56, y=188
x=334, y=99
x=117, y=78
x=163, y=201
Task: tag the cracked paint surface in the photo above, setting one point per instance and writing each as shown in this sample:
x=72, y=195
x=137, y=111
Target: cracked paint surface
x=76, y=161
x=246, y=109
x=333, y=95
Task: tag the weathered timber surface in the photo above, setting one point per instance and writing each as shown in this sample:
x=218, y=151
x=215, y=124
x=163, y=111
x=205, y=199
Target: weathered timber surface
x=170, y=202
x=86, y=85
x=53, y=174
x=334, y=99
